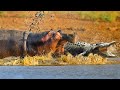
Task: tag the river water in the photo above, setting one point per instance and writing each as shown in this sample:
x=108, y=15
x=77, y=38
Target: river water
x=61, y=72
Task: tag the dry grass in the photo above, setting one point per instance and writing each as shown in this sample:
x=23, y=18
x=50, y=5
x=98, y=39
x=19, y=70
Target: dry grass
x=37, y=60
x=91, y=59
x=63, y=60
x=48, y=60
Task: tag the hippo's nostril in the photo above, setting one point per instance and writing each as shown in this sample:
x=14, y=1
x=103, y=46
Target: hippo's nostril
x=53, y=35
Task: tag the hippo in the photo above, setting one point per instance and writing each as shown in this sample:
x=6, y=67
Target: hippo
x=15, y=43
x=51, y=45
x=54, y=44
x=60, y=46
x=10, y=43
x=35, y=47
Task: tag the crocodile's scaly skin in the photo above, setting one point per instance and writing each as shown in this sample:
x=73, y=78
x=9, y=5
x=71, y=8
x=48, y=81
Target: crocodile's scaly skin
x=74, y=49
x=84, y=48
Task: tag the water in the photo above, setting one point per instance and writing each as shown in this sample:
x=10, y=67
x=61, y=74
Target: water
x=61, y=72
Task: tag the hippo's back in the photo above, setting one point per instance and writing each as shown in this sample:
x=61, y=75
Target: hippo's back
x=10, y=34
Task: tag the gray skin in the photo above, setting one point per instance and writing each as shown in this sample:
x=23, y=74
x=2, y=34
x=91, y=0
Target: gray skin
x=11, y=43
x=85, y=49
x=15, y=43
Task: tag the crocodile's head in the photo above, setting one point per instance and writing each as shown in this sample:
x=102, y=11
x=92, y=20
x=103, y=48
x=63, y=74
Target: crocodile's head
x=102, y=48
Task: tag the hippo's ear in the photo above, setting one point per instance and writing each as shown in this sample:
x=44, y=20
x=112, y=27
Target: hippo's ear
x=51, y=29
x=51, y=32
x=60, y=31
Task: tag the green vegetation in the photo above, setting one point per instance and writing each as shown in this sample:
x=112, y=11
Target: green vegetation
x=3, y=13
x=109, y=16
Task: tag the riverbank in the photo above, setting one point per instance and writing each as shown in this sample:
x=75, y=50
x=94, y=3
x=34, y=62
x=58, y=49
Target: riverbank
x=88, y=30
x=61, y=61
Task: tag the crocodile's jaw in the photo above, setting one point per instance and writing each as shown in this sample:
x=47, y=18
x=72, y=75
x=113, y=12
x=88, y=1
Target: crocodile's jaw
x=110, y=54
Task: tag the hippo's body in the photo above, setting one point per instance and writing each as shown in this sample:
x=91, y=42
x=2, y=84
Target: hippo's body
x=11, y=43
x=15, y=43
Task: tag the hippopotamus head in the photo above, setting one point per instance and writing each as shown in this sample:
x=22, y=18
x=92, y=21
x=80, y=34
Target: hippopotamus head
x=48, y=36
x=68, y=37
x=57, y=35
